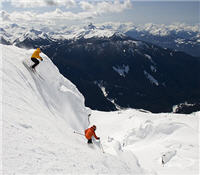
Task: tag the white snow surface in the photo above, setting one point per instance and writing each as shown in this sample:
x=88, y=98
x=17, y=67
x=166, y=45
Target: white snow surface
x=41, y=110
x=150, y=137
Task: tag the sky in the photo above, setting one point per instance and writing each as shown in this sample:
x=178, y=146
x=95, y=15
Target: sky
x=78, y=12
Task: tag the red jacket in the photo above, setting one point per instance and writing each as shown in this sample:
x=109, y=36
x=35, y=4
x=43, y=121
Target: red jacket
x=89, y=133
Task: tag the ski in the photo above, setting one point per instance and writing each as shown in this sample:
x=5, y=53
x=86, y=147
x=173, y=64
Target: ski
x=28, y=67
x=33, y=71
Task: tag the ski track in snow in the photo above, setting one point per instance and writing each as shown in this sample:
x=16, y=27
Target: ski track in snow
x=41, y=110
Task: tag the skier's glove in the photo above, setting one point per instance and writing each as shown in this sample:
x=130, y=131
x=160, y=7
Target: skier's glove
x=41, y=59
x=98, y=138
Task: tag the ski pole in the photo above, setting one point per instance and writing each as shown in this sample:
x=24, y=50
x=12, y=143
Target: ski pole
x=101, y=146
x=79, y=133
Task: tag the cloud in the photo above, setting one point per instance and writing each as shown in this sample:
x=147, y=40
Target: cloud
x=106, y=6
x=48, y=18
x=5, y=16
x=41, y=3
x=86, y=5
x=88, y=10
x=95, y=6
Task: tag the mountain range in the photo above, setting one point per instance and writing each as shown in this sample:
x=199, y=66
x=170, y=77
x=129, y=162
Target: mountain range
x=115, y=69
x=180, y=37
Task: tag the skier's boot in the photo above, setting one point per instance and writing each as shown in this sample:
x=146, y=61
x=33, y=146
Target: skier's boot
x=89, y=141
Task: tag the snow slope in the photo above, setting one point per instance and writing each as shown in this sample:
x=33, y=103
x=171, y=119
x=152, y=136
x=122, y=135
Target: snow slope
x=151, y=138
x=40, y=112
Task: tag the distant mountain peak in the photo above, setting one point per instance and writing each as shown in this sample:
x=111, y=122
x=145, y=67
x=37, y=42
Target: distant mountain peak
x=91, y=26
x=14, y=25
x=119, y=35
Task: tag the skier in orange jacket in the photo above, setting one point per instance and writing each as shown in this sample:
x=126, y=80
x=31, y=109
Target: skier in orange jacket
x=91, y=132
x=35, y=57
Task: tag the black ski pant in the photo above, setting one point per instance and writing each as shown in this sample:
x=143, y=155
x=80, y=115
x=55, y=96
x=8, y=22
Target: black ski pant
x=89, y=141
x=36, y=61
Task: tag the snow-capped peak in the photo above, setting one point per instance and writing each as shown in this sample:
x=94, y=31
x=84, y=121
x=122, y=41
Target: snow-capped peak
x=90, y=27
x=14, y=25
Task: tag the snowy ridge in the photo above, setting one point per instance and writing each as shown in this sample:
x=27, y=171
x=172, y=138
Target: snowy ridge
x=13, y=32
x=178, y=37
x=40, y=113
x=85, y=33
x=181, y=32
x=154, y=29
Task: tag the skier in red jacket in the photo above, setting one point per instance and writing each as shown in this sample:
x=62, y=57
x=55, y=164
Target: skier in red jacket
x=91, y=132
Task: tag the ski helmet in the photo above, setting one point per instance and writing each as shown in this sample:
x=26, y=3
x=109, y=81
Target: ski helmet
x=94, y=127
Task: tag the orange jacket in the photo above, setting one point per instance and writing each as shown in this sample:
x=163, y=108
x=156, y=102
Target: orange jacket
x=36, y=54
x=89, y=133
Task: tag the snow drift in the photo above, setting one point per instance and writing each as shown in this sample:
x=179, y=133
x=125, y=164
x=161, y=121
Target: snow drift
x=164, y=144
x=40, y=112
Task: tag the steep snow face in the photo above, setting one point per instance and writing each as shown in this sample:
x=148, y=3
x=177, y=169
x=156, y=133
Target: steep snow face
x=44, y=90
x=162, y=143
x=40, y=112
